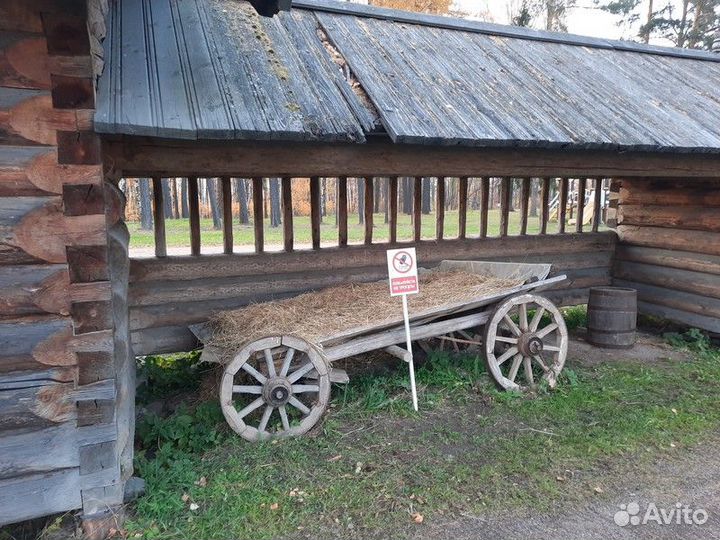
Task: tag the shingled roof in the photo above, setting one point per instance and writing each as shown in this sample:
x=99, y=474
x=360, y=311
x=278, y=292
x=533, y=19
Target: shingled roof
x=334, y=71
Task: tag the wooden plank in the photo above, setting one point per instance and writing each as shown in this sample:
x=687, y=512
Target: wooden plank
x=597, y=204
x=580, y=205
x=228, y=243
x=562, y=205
x=258, y=214
x=672, y=278
x=670, y=192
x=484, y=205
x=369, y=207
x=462, y=207
x=524, y=205
x=41, y=494
x=417, y=209
x=505, y=194
x=545, y=206
x=30, y=452
x=159, y=218
x=684, y=260
x=393, y=210
x=680, y=239
x=315, y=216
x=194, y=204
x=342, y=212
x=440, y=208
x=287, y=214
x=680, y=217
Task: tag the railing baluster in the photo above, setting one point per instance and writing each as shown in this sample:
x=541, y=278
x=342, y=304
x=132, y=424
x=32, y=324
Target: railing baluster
x=581, y=205
x=342, y=212
x=597, y=209
x=315, y=211
x=227, y=215
x=524, y=205
x=393, y=202
x=417, y=209
x=440, y=208
x=562, y=204
x=462, y=207
x=287, y=214
x=369, y=207
x=505, y=194
x=258, y=214
x=194, y=207
x=484, y=205
x=159, y=218
x=545, y=216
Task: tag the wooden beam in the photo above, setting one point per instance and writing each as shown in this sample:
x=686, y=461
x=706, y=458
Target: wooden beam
x=194, y=205
x=393, y=202
x=227, y=215
x=524, y=205
x=440, y=208
x=462, y=207
x=417, y=209
x=369, y=204
x=287, y=214
x=545, y=210
x=159, y=218
x=597, y=204
x=505, y=195
x=315, y=211
x=580, y=204
x=342, y=212
x=562, y=204
x=139, y=156
x=484, y=205
x=258, y=214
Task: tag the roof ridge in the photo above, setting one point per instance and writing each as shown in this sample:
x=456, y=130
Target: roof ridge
x=454, y=23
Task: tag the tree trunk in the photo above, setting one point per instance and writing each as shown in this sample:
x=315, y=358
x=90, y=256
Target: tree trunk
x=511, y=188
x=360, y=183
x=212, y=193
x=534, y=194
x=242, y=199
x=426, y=205
x=167, y=197
x=175, y=198
x=275, y=211
x=407, y=195
x=145, y=205
x=185, y=212
x=323, y=198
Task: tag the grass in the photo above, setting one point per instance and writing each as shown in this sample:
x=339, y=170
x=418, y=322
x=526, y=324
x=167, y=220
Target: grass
x=178, y=230
x=376, y=464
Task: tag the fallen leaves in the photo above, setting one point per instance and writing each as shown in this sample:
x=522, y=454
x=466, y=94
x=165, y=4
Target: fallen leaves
x=274, y=506
x=417, y=517
x=598, y=489
x=334, y=458
x=202, y=482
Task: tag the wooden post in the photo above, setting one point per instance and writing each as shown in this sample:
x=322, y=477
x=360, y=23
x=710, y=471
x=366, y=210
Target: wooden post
x=287, y=214
x=504, y=205
x=580, y=205
x=440, y=208
x=417, y=208
x=393, y=202
x=562, y=204
x=484, y=205
x=545, y=215
x=342, y=212
x=462, y=207
x=227, y=215
x=159, y=218
x=194, y=205
x=258, y=214
x=524, y=205
x=315, y=211
x=369, y=205
x=597, y=210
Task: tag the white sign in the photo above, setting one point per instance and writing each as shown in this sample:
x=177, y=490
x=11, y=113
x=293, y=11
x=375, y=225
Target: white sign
x=402, y=271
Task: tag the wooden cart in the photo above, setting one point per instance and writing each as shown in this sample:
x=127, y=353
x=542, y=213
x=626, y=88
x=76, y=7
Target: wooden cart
x=287, y=374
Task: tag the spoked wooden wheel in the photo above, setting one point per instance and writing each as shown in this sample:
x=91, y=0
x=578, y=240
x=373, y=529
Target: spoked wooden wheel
x=275, y=387
x=518, y=334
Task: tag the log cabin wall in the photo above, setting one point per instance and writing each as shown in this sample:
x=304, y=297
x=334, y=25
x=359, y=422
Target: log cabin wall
x=60, y=228
x=669, y=248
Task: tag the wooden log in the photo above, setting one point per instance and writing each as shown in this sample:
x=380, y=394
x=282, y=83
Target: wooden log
x=228, y=243
x=670, y=192
x=34, y=343
x=562, y=205
x=524, y=205
x=79, y=147
x=369, y=206
x=545, y=206
x=87, y=263
x=91, y=316
x=36, y=407
x=597, y=204
x=440, y=208
x=28, y=290
x=417, y=209
x=505, y=195
x=581, y=205
x=315, y=216
x=38, y=451
x=682, y=301
x=72, y=92
x=24, y=62
x=342, y=212
x=680, y=239
x=20, y=17
x=159, y=218
x=671, y=278
x=711, y=324
x=681, y=217
x=163, y=340
x=66, y=34
x=51, y=493
x=684, y=260
x=393, y=208
x=484, y=205
x=194, y=204
x=287, y=214
x=462, y=207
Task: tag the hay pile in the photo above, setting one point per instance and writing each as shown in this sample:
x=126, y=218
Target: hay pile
x=315, y=316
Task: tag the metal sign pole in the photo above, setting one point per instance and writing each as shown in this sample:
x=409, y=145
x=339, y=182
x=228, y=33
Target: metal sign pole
x=409, y=349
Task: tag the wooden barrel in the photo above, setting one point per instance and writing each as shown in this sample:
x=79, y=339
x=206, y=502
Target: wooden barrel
x=612, y=317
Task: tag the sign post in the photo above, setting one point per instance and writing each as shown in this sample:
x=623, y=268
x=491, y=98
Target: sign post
x=403, y=279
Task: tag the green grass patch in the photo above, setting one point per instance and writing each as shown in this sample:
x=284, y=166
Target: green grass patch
x=470, y=449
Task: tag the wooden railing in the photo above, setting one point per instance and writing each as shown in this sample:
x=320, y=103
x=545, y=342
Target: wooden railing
x=570, y=195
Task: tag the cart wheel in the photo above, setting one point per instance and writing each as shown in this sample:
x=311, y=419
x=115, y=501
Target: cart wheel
x=512, y=340
x=275, y=387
